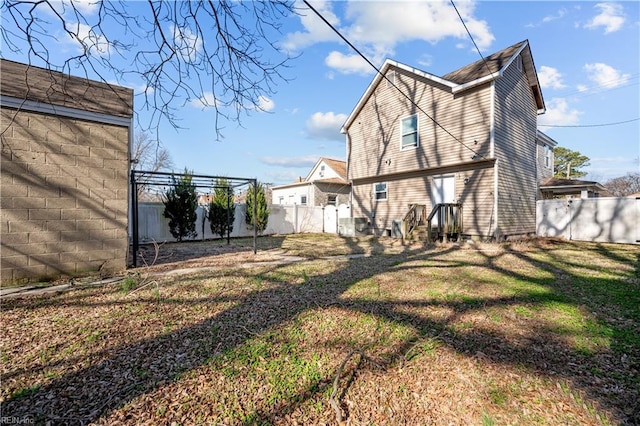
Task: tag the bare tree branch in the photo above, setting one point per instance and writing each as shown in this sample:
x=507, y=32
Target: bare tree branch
x=220, y=53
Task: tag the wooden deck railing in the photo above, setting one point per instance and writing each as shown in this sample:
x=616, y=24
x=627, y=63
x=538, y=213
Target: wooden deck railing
x=414, y=217
x=449, y=221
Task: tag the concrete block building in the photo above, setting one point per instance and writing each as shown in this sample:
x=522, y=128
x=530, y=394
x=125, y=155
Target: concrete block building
x=64, y=166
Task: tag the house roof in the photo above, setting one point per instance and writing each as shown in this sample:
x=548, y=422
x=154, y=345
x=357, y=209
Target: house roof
x=566, y=186
x=546, y=139
x=480, y=72
x=491, y=64
x=339, y=166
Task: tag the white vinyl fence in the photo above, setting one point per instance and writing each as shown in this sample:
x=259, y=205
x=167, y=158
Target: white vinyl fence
x=614, y=220
x=287, y=219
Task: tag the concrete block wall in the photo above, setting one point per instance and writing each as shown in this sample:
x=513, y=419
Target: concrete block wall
x=63, y=196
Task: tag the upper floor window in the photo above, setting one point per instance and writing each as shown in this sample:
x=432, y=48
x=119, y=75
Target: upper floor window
x=409, y=132
x=547, y=156
x=380, y=190
x=322, y=170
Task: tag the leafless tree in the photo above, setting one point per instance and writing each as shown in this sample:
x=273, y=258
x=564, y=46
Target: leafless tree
x=221, y=53
x=150, y=156
x=624, y=185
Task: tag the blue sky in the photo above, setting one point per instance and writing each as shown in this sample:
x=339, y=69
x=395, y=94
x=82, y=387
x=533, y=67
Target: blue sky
x=587, y=55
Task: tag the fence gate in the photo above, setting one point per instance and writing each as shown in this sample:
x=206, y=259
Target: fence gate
x=331, y=219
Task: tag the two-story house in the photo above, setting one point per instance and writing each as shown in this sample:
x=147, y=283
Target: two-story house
x=326, y=184
x=469, y=137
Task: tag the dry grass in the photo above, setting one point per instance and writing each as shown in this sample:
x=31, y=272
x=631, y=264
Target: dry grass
x=535, y=332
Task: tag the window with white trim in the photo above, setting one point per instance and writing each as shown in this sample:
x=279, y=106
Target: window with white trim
x=547, y=156
x=380, y=191
x=303, y=200
x=409, y=132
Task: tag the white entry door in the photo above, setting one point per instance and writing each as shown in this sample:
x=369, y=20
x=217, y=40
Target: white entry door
x=443, y=190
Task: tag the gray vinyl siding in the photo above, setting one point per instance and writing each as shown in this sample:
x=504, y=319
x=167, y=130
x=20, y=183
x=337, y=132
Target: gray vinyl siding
x=374, y=136
x=515, y=151
x=476, y=197
x=543, y=171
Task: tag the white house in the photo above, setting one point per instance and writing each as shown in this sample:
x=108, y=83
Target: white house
x=326, y=184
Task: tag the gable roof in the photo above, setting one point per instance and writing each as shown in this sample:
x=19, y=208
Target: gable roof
x=339, y=166
x=491, y=65
x=479, y=72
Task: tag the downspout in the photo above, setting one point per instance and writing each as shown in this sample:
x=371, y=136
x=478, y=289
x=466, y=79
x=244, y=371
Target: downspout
x=492, y=153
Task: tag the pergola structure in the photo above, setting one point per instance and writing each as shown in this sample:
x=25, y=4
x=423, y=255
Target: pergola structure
x=163, y=179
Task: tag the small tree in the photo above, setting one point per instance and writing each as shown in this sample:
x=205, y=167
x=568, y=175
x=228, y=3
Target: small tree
x=221, y=210
x=568, y=160
x=180, y=203
x=255, y=196
x=624, y=185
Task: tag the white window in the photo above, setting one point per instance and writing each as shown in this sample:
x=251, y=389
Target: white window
x=303, y=200
x=332, y=199
x=547, y=156
x=409, y=132
x=380, y=191
x=391, y=79
x=322, y=170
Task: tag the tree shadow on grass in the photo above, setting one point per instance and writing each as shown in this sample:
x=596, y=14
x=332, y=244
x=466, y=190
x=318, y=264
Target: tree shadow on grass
x=112, y=383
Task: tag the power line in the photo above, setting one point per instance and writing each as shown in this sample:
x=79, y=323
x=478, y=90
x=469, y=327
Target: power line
x=472, y=40
x=388, y=80
x=590, y=125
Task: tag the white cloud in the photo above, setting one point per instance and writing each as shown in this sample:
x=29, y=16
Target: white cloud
x=88, y=40
x=265, y=104
x=605, y=76
x=562, y=12
x=377, y=29
x=186, y=42
x=425, y=60
x=348, y=64
x=550, y=78
x=325, y=125
x=304, y=161
x=611, y=17
x=207, y=100
x=559, y=113
x=315, y=30
x=582, y=88
x=68, y=8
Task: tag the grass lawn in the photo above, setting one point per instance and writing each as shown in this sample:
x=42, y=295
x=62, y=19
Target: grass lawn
x=319, y=329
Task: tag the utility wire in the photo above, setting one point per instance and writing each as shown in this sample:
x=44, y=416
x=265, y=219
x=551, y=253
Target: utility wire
x=590, y=125
x=388, y=80
x=472, y=40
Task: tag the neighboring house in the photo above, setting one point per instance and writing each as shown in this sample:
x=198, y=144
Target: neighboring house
x=65, y=182
x=469, y=137
x=326, y=184
x=545, y=159
x=571, y=188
